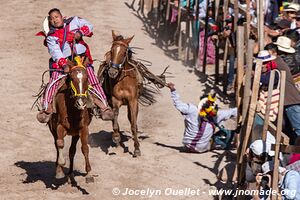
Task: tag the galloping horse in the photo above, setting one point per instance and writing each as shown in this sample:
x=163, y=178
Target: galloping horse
x=72, y=118
x=121, y=86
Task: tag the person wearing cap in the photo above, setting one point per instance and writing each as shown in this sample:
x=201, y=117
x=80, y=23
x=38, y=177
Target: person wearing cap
x=268, y=64
x=289, y=180
x=292, y=95
x=200, y=121
x=64, y=37
x=258, y=152
x=290, y=13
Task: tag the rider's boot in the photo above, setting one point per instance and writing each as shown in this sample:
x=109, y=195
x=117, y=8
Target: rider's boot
x=106, y=112
x=44, y=115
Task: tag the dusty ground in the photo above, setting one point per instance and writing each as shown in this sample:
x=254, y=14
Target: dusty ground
x=27, y=150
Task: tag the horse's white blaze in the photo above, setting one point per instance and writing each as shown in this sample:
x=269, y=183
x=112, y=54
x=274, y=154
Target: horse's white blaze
x=118, y=49
x=79, y=76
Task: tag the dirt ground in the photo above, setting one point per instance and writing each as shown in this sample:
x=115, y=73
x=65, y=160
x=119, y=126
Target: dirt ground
x=27, y=150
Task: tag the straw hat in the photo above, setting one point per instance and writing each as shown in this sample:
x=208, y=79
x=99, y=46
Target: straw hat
x=292, y=7
x=284, y=44
x=265, y=56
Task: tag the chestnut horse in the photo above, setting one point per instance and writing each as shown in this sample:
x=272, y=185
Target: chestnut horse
x=72, y=118
x=121, y=86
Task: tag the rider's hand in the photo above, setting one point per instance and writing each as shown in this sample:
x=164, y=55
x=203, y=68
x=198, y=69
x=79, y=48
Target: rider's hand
x=171, y=86
x=66, y=69
x=78, y=35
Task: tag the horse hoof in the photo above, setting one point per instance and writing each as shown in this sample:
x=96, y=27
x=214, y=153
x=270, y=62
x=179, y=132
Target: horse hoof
x=117, y=140
x=61, y=161
x=89, y=179
x=137, y=153
x=59, y=175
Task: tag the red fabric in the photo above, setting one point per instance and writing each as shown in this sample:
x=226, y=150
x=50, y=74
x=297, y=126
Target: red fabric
x=59, y=33
x=85, y=31
x=271, y=65
x=61, y=62
x=41, y=33
x=294, y=157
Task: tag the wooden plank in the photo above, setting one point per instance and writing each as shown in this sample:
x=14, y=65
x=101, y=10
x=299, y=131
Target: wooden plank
x=247, y=87
x=268, y=106
x=246, y=130
x=287, y=148
x=272, y=128
x=240, y=67
x=278, y=132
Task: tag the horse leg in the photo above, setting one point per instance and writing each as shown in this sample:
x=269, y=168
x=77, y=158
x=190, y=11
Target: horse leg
x=59, y=143
x=72, y=151
x=132, y=115
x=84, y=133
x=116, y=134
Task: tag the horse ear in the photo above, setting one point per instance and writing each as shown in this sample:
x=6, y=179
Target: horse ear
x=114, y=36
x=128, y=40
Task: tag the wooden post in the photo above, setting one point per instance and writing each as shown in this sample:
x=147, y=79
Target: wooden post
x=217, y=47
x=247, y=88
x=260, y=25
x=236, y=14
x=180, y=33
x=196, y=52
x=278, y=131
x=225, y=11
x=268, y=106
x=187, y=34
x=158, y=15
x=168, y=10
x=205, y=38
x=240, y=66
x=248, y=19
x=246, y=130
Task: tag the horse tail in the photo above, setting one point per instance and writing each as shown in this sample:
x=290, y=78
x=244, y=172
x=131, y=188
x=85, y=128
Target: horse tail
x=147, y=95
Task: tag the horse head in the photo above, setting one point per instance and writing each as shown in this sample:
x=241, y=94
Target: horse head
x=78, y=80
x=119, y=54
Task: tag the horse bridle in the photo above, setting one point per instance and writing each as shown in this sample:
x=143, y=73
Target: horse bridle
x=120, y=65
x=75, y=93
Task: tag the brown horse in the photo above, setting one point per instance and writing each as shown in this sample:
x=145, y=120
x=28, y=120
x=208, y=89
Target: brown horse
x=122, y=87
x=72, y=118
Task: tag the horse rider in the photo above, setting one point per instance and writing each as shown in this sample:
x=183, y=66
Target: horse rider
x=200, y=121
x=59, y=38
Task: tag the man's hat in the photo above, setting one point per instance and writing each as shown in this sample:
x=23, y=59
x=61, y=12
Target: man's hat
x=284, y=44
x=294, y=7
x=265, y=56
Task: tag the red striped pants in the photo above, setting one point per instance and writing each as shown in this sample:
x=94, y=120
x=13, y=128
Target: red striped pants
x=54, y=82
